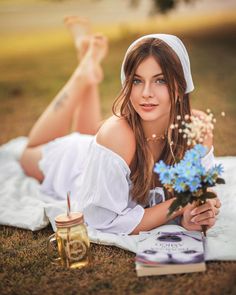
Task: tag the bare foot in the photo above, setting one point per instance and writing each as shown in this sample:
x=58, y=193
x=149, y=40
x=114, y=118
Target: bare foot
x=90, y=66
x=80, y=30
x=98, y=48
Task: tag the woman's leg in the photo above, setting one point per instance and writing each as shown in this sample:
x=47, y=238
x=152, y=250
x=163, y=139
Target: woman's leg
x=80, y=30
x=87, y=116
x=57, y=118
x=80, y=91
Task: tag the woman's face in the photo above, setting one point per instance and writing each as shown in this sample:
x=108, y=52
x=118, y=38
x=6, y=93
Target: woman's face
x=149, y=95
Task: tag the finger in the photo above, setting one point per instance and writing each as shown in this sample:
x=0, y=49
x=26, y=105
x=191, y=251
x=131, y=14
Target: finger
x=218, y=203
x=215, y=202
x=217, y=211
x=202, y=208
x=203, y=216
x=209, y=222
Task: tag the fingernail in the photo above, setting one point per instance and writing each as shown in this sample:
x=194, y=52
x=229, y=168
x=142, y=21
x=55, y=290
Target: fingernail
x=193, y=219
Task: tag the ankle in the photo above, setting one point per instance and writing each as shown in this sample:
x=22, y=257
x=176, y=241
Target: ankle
x=85, y=79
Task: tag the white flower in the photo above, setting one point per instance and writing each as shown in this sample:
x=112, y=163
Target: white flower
x=223, y=114
x=186, y=117
x=199, y=128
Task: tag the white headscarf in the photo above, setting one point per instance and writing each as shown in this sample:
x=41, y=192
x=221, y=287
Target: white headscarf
x=177, y=45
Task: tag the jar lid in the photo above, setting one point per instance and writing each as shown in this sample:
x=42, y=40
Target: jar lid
x=63, y=220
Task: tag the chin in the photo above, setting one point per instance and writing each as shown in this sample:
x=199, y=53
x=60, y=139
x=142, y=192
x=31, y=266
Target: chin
x=149, y=117
x=153, y=116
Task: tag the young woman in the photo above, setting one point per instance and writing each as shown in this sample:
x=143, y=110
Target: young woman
x=109, y=170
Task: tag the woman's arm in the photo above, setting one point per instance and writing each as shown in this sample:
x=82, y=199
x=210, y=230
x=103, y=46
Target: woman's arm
x=156, y=216
x=192, y=217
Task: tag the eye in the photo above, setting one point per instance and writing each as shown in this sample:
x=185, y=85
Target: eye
x=136, y=81
x=160, y=81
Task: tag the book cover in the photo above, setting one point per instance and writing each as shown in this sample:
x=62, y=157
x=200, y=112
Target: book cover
x=170, y=252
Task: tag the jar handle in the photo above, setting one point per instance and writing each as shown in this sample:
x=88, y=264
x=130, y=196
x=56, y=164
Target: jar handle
x=52, y=240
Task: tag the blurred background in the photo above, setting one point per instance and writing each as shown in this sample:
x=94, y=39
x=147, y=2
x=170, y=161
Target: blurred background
x=37, y=54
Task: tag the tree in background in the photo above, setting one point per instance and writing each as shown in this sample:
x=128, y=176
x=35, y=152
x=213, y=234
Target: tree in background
x=161, y=6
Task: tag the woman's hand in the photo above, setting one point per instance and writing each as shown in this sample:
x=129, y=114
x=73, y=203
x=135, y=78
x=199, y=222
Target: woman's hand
x=194, y=217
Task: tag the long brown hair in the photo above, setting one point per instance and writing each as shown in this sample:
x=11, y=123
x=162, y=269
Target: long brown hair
x=142, y=175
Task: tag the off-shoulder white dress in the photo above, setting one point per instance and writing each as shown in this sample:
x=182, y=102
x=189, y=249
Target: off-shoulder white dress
x=99, y=182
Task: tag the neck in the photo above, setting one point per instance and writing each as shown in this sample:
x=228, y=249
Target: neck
x=157, y=127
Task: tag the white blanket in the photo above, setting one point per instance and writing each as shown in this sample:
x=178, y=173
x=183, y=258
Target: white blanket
x=23, y=205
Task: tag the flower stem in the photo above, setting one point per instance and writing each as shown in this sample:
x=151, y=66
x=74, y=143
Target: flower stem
x=204, y=229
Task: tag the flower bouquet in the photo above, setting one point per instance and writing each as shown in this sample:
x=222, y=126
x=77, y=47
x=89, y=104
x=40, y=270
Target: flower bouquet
x=187, y=179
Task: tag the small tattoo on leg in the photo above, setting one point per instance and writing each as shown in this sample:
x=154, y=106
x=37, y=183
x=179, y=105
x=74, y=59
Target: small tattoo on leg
x=59, y=102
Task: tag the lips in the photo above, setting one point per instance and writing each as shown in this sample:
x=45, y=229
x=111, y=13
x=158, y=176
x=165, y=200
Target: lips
x=148, y=106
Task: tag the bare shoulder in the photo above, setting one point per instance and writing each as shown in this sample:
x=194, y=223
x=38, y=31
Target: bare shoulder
x=117, y=135
x=208, y=141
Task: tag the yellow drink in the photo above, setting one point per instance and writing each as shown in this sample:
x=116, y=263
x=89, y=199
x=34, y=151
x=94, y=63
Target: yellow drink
x=72, y=241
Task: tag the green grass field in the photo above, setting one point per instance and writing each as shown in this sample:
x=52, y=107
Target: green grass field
x=33, y=68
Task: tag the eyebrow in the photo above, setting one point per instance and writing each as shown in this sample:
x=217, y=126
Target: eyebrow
x=155, y=76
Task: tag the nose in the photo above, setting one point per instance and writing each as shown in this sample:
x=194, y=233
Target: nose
x=147, y=91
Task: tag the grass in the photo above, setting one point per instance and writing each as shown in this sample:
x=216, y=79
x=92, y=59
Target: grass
x=32, y=75
x=26, y=270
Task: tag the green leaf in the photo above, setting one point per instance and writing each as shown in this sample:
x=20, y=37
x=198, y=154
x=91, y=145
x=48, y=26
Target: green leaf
x=207, y=195
x=211, y=195
x=174, y=206
x=182, y=199
x=220, y=180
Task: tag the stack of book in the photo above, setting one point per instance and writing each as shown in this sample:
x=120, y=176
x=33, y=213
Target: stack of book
x=170, y=252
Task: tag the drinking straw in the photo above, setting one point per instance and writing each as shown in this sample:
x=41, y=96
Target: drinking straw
x=68, y=204
x=68, y=231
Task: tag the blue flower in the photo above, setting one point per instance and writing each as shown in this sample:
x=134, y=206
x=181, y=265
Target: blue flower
x=213, y=173
x=166, y=176
x=160, y=167
x=187, y=163
x=164, y=171
x=195, y=154
x=219, y=169
x=179, y=168
x=200, y=170
x=194, y=184
x=188, y=177
x=189, y=173
x=209, y=177
x=180, y=185
x=200, y=149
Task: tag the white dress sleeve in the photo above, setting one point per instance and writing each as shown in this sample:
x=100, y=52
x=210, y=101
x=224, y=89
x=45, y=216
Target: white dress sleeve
x=104, y=192
x=208, y=161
